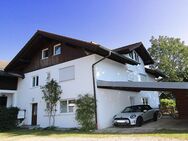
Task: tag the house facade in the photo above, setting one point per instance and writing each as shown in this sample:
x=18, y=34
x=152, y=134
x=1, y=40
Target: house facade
x=72, y=63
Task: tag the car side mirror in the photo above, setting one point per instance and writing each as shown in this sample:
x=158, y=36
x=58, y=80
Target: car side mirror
x=145, y=111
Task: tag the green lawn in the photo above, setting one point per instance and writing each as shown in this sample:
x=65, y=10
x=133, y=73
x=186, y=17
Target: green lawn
x=21, y=134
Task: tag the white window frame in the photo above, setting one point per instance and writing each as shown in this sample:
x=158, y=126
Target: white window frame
x=145, y=99
x=67, y=100
x=134, y=55
x=33, y=84
x=55, y=46
x=43, y=53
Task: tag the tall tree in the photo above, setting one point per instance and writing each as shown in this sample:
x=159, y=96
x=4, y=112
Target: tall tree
x=52, y=92
x=171, y=57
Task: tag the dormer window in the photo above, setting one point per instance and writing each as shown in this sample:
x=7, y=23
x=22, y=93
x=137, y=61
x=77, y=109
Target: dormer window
x=45, y=53
x=57, y=49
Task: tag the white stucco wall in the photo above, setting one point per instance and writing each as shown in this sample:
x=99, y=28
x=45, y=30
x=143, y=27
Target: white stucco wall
x=71, y=89
x=111, y=102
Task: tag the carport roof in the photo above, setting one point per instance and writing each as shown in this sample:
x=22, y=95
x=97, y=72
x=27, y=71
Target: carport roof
x=142, y=86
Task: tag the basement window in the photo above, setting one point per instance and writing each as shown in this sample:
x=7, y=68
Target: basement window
x=67, y=106
x=35, y=81
x=45, y=53
x=57, y=49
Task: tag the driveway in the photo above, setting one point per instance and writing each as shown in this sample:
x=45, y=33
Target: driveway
x=151, y=126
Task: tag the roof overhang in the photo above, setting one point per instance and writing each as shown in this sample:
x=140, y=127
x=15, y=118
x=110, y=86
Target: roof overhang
x=9, y=74
x=142, y=86
x=22, y=59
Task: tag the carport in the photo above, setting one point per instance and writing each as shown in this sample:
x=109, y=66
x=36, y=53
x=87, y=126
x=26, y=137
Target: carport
x=180, y=89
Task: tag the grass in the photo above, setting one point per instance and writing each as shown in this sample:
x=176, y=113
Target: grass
x=20, y=134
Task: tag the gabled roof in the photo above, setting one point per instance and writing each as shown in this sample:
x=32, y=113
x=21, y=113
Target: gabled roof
x=139, y=48
x=92, y=47
x=156, y=73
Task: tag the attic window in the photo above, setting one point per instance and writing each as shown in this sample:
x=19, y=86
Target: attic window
x=133, y=55
x=57, y=49
x=45, y=53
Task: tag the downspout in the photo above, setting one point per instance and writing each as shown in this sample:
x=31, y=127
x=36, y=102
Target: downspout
x=94, y=86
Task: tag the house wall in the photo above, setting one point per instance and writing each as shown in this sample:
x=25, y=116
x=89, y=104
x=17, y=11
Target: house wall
x=106, y=99
x=111, y=102
x=71, y=89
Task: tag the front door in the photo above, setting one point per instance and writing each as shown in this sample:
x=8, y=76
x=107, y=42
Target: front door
x=3, y=101
x=34, y=114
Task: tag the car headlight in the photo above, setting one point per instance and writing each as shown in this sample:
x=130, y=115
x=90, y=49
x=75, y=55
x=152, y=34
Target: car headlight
x=132, y=116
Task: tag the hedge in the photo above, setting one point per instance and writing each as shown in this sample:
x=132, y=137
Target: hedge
x=8, y=118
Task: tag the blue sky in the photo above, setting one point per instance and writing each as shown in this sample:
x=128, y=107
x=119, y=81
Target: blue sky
x=111, y=23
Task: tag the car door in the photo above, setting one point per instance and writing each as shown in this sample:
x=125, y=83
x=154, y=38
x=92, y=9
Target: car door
x=148, y=114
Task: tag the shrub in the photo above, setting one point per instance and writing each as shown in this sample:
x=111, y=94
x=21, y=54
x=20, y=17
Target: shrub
x=85, y=112
x=8, y=118
x=167, y=103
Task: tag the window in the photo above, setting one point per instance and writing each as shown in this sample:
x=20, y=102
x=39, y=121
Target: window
x=136, y=57
x=45, y=53
x=67, y=106
x=35, y=81
x=67, y=73
x=145, y=101
x=133, y=55
x=57, y=49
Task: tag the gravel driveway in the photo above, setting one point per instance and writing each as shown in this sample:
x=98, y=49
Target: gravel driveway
x=166, y=123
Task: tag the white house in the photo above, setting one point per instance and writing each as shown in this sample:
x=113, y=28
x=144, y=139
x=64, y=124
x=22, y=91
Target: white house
x=77, y=66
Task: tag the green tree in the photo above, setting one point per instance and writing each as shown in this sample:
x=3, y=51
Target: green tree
x=51, y=95
x=85, y=112
x=171, y=57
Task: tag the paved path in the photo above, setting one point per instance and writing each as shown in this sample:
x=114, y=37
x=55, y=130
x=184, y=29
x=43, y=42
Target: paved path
x=169, y=124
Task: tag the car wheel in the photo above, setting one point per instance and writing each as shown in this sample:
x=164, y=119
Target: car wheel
x=155, y=117
x=139, y=121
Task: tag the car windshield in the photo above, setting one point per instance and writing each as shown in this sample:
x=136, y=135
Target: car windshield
x=138, y=108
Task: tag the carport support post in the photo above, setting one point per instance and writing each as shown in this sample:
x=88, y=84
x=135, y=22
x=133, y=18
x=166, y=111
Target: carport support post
x=94, y=86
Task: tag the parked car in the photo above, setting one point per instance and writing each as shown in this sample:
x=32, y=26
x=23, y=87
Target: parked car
x=135, y=115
